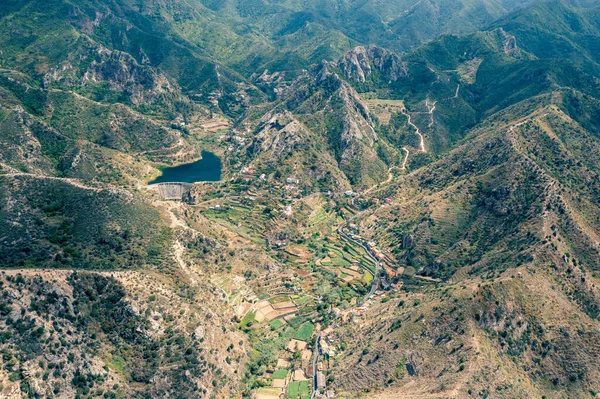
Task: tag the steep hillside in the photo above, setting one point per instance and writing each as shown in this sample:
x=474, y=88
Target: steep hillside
x=286, y=147
x=493, y=227
x=114, y=47
x=407, y=205
x=321, y=107
x=61, y=222
x=119, y=334
x=398, y=25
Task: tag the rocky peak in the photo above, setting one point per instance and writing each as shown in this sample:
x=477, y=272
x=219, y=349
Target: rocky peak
x=91, y=63
x=509, y=44
x=359, y=63
x=278, y=132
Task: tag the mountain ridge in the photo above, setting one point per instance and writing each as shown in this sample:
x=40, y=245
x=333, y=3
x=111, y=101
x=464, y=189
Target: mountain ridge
x=408, y=203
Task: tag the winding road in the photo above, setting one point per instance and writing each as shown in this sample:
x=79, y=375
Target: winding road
x=378, y=266
x=430, y=112
x=376, y=281
x=374, y=285
x=403, y=167
x=361, y=243
x=74, y=182
x=314, y=366
x=418, y=131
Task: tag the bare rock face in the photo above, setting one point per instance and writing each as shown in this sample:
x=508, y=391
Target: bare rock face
x=358, y=154
x=407, y=241
x=28, y=370
x=338, y=116
x=358, y=139
x=359, y=63
x=124, y=74
x=199, y=332
x=281, y=138
x=278, y=133
x=91, y=63
x=509, y=43
x=412, y=365
x=21, y=150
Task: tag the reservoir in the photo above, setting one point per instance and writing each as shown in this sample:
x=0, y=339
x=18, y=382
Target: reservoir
x=206, y=169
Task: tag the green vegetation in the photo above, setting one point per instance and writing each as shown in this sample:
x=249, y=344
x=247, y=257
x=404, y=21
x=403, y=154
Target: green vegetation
x=494, y=220
x=275, y=324
x=298, y=389
x=293, y=389
x=248, y=320
x=269, y=391
x=81, y=228
x=305, y=331
x=101, y=324
x=280, y=374
x=304, y=387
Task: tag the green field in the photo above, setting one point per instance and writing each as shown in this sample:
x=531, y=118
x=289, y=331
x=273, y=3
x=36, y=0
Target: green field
x=269, y=391
x=367, y=264
x=294, y=389
x=305, y=331
x=304, y=388
x=279, y=299
x=340, y=262
x=275, y=324
x=280, y=374
x=302, y=300
x=336, y=251
x=298, y=388
x=352, y=251
x=247, y=319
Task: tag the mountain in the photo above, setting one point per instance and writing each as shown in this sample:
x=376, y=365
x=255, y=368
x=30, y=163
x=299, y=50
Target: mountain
x=398, y=25
x=500, y=229
x=407, y=203
x=509, y=254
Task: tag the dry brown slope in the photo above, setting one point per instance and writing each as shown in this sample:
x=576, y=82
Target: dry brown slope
x=523, y=319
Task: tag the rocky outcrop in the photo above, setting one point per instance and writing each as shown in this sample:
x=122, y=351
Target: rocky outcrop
x=20, y=148
x=90, y=63
x=123, y=73
x=278, y=133
x=358, y=159
x=509, y=44
x=355, y=143
x=331, y=112
x=360, y=63
x=285, y=143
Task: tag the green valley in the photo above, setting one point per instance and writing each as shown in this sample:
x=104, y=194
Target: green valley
x=280, y=199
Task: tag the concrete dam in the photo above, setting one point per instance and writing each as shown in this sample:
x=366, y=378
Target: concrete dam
x=171, y=191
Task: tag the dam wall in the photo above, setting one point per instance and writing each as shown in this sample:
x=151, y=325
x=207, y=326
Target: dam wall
x=171, y=191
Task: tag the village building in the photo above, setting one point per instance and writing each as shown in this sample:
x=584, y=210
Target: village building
x=321, y=382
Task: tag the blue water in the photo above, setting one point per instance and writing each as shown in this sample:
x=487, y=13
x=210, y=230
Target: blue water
x=206, y=169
